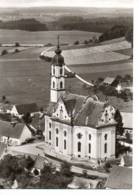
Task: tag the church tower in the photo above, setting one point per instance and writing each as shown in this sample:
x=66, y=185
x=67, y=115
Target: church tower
x=57, y=75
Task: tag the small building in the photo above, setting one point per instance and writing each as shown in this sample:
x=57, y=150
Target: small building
x=85, y=183
x=22, y=109
x=108, y=81
x=13, y=134
x=119, y=178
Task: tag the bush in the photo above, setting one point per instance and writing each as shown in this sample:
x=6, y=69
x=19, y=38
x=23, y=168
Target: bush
x=16, y=50
x=85, y=42
x=17, y=44
x=76, y=43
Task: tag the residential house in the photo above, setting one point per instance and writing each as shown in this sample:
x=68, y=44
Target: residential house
x=108, y=81
x=13, y=134
x=22, y=109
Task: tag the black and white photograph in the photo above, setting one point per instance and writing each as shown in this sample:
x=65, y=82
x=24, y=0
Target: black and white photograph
x=66, y=94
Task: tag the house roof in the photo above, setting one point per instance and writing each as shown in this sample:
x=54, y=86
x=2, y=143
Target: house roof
x=86, y=111
x=25, y=108
x=109, y=80
x=127, y=120
x=8, y=130
x=120, y=178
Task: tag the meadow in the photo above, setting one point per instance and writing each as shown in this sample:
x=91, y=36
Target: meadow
x=24, y=77
x=44, y=37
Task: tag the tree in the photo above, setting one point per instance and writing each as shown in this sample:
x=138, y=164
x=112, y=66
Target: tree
x=129, y=36
x=17, y=44
x=76, y=43
x=16, y=50
x=27, y=118
x=4, y=52
x=118, y=119
x=65, y=169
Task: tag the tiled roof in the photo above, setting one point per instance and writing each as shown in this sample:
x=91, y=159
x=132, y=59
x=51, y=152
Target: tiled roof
x=8, y=130
x=24, y=108
x=86, y=111
x=120, y=178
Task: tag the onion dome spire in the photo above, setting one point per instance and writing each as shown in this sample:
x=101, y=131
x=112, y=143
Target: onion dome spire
x=58, y=50
x=58, y=59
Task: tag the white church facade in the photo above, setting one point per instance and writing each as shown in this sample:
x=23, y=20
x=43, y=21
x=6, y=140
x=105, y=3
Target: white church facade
x=78, y=127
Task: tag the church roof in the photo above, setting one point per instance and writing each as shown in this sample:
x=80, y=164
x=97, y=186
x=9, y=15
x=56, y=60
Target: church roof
x=58, y=59
x=85, y=111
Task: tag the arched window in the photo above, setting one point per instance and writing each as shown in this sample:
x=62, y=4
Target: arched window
x=89, y=136
x=53, y=84
x=65, y=145
x=56, y=130
x=53, y=70
x=105, y=136
x=65, y=133
x=56, y=141
x=49, y=135
x=105, y=148
x=50, y=125
x=79, y=146
x=61, y=71
x=61, y=84
x=89, y=148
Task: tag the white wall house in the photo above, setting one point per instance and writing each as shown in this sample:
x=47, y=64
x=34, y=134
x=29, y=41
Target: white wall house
x=13, y=135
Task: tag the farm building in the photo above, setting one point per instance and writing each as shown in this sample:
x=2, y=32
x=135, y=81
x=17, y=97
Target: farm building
x=76, y=126
x=13, y=134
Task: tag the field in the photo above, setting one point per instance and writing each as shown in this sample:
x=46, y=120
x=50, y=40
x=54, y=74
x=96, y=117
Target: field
x=44, y=37
x=95, y=54
x=25, y=78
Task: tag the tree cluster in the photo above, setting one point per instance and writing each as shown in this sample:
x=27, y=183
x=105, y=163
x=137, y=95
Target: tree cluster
x=29, y=24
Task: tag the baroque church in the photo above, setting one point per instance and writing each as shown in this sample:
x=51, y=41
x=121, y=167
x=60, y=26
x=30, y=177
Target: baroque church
x=77, y=127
